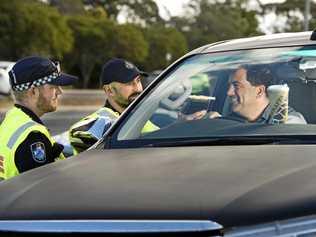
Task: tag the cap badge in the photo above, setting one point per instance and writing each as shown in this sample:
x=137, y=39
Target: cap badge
x=57, y=65
x=128, y=65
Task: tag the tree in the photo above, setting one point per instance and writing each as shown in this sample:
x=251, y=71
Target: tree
x=210, y=21
x=143, y=12
x=69, y=7
x=130, y=43
x=292, y=11
x=97, y=40
x=30, y=27
x=94, y=40
x=166, y=45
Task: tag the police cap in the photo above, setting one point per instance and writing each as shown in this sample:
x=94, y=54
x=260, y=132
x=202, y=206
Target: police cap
x=37, y=71
x=119, y=70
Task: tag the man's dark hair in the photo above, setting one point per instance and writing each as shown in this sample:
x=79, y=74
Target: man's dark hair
x=259, y=74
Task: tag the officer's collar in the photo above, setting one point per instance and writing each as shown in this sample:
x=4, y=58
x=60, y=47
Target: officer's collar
x=108, y=105
x=30, y=113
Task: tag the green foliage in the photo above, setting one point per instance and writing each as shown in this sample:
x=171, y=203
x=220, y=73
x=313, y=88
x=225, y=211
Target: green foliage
x=69, y=7
x=130, y=43
x=29, y=28
x=212, y=21
x=93, y=44
x=85, y=33
x=98, y=40
x=166, y=45
x=98, y=12
x=144, y=12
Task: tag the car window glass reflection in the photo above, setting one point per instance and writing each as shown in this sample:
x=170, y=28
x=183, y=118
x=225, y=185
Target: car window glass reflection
x=250, y=87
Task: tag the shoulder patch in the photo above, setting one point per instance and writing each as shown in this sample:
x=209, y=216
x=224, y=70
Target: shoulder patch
x=38, y=152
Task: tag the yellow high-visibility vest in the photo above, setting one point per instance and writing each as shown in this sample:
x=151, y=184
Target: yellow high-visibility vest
x=14, y=129
x=75, y=134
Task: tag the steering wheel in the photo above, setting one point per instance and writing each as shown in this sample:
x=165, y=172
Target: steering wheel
x=178, y=96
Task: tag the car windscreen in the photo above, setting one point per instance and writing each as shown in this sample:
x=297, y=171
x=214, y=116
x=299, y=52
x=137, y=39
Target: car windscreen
x=247, y=93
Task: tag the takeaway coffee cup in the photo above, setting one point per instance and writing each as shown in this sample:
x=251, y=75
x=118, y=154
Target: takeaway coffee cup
x=279, y=102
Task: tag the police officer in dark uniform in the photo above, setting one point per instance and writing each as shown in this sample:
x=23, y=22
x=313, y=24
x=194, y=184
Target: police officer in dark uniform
x=25, y=142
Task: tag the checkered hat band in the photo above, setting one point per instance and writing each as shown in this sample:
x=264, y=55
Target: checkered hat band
x=38, y=82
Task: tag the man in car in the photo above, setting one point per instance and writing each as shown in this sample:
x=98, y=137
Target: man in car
x=25, y=143
x=249, y=96
x=121, y=82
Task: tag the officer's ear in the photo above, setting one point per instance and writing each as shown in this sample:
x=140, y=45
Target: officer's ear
x=109, y=90
x=33, y=91
x=106, y=89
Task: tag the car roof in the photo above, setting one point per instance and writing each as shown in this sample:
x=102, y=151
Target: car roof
x=264, y=41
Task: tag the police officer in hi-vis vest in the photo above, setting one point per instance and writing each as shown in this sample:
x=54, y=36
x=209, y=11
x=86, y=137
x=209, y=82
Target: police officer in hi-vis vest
x=121, y=82
x=25, y=143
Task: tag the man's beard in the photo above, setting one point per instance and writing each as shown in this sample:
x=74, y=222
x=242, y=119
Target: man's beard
x=124, y=103
x=132, y=97
x=44, y=105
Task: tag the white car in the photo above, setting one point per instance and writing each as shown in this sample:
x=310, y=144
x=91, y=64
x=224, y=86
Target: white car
x=5, y=67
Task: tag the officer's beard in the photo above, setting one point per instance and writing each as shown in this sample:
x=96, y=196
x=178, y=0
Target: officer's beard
x=45, y=105
x=132, y=97
x=123, y=102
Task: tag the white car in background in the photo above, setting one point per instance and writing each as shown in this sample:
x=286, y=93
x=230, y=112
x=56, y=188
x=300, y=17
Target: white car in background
x=5, y=67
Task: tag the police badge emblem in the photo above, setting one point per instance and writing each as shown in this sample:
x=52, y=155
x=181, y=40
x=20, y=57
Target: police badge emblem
x=129, y=65
x=38, y=152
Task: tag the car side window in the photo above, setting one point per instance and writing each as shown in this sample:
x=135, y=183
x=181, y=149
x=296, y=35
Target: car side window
x=198, y=88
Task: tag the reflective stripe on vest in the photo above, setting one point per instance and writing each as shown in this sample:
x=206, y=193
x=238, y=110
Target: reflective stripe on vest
x=97, y=130
x=18, y=132
x=107, y=113
x=99, y=118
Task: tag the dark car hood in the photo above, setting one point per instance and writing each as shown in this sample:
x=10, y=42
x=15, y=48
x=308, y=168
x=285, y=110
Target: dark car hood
x=232, y=185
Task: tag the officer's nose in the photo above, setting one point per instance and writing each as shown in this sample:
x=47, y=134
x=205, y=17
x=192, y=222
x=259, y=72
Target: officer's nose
x=137, y=87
